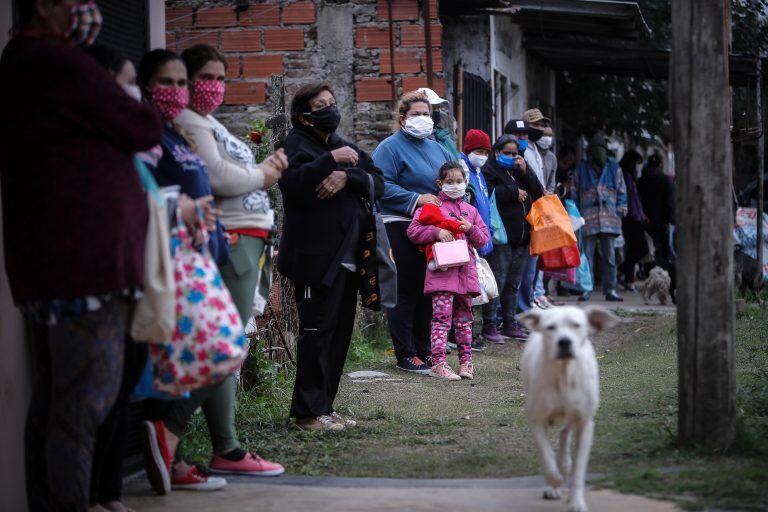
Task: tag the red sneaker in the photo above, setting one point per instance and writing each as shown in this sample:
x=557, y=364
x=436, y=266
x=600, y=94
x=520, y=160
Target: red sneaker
x=157, y=457
x=194, y=480
x=251, y=464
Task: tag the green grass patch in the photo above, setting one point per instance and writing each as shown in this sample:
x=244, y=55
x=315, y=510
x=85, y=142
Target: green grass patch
x=418, y=427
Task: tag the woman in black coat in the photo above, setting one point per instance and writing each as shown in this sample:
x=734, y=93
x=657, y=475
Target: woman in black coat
x=324, y=189
x=515, y=189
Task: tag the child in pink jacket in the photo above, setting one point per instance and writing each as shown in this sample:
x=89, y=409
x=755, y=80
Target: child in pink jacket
x=452, y=289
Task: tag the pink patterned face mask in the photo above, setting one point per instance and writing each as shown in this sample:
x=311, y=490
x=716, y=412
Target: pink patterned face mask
x=207, y=95
x=170, y=101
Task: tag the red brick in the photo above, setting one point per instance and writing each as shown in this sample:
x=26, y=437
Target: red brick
x=372, y=37
x=246, y=93
x=413, y=35
x=434, y=10
x=216, y=17
x=257, y=66
x=180, y=17
x=401, y=10
x=411, y=83
x=373, y=89
x=437, y=61
x=233, y=66
x=299, y=12
x=261, y=15
x=187, y=39
x=241, y=41
x=406, y=61
x=170, y=41
x=284, y=39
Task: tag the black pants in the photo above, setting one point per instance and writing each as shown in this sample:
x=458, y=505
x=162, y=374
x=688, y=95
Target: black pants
x=635, y=249
x=409, y=321
x=326, y=321
x=111, y=437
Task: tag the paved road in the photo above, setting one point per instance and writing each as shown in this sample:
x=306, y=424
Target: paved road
x=294, y=494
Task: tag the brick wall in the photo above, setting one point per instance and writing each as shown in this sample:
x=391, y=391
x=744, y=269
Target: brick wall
x=281, y=37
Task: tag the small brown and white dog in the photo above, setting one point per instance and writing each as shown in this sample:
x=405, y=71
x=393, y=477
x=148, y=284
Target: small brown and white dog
x=561, y=384
x=658, y=283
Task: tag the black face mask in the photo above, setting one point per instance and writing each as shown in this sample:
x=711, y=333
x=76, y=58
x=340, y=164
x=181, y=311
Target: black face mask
x=326, y=119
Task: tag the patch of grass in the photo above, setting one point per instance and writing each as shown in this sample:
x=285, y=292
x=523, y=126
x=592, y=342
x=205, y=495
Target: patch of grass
x=418, y=427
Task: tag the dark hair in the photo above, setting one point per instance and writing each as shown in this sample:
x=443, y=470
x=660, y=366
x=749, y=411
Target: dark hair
x=150, y=63
x=300, y=101
x=566, y=150
x=654, y=160
x=199, y=55
x=630, y=159
x=26, y=11
x=504, y=140
x=449, y=166
x=109, y=58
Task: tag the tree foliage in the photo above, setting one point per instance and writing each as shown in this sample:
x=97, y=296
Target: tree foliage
x=589, y=102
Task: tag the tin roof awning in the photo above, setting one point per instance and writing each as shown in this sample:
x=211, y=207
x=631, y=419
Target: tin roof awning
x=628, y=58
x=588, y=36
x=598, y=18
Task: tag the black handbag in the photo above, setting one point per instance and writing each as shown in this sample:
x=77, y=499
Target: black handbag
x=378, y=272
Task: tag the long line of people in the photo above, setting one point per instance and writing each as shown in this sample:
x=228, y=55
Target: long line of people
x=75, y=218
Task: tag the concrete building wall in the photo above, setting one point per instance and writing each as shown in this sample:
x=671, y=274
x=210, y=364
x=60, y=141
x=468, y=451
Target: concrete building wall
x=466, y=43
x=510, y=61
x=342, y=42
x=541, y=87
x=14, y=367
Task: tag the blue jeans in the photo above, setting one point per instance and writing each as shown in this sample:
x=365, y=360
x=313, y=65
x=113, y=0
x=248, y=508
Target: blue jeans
x=527, y=285
x=608, y=255
x=539, y=290
x=507, y=264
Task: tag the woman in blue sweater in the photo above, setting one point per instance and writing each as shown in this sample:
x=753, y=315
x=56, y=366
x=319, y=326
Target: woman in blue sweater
x=410, y=161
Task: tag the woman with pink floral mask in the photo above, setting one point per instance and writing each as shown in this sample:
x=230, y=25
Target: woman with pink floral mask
x=163, y=78
x=239, y=185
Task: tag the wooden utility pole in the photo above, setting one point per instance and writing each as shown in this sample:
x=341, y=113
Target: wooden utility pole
x=705, y=301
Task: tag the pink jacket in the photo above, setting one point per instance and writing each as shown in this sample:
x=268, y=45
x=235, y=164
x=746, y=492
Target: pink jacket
x=458, y=280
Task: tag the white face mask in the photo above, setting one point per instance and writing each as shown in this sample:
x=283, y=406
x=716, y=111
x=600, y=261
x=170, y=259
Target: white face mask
x=455, y=191
x=545, y=142
x=133, y=91
x=419, y=127
x=477, y=160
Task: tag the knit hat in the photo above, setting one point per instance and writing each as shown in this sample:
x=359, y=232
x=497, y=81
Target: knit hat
x=476, y=139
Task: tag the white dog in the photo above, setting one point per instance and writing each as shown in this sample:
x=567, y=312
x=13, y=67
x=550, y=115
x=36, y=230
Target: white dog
x=561, y=384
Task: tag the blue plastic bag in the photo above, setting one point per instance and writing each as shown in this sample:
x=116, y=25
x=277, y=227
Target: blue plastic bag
x=145, y=389
x=583, y=277
x=497, y=226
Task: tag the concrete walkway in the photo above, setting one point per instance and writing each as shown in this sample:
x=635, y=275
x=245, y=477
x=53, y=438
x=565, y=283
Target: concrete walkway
x=633, y=303
x=328, y=494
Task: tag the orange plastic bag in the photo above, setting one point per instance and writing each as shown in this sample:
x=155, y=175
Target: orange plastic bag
x=551, y=227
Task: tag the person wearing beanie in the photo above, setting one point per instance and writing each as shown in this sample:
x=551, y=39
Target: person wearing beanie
x=477, y=148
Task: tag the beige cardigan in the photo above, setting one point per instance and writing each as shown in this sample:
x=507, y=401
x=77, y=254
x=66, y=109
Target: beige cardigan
x=236, y=180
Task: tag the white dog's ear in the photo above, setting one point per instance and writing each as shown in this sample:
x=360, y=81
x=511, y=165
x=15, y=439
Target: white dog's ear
x=600, y=318
x=530, y=319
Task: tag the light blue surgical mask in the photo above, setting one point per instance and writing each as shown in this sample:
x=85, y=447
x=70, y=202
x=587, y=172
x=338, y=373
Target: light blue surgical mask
x=505, y=161
x=522, y=144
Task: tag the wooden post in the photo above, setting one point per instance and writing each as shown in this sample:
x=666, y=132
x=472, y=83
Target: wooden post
x=760, y=157
x=428, y=42
x=705, y=301
x=392, y=82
